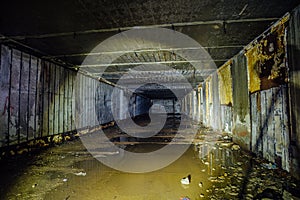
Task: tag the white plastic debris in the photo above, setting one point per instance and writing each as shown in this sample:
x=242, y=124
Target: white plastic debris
x=186, y=180
x=235, y=147
x=80, y=174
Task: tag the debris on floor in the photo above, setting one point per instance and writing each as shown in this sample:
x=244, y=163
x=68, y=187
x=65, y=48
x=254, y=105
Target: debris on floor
x=219, y=168
x=80, y=174
x=186, y=180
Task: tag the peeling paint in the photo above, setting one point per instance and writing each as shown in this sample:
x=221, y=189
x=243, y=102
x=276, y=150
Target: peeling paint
x=225, y=83
x=266, y=59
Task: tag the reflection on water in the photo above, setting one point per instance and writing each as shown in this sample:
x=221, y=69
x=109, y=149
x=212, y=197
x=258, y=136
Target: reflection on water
x=218, y=169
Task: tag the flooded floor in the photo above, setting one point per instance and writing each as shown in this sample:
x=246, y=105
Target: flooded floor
x=218, y=169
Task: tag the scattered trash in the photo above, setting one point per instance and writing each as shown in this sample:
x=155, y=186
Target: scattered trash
x=226, y=128
x=185, y=186
x=201, y=195
x=65, y=180
x=186, y=180
x=80, y=174
x=34, y=185
x=235, y=147
x=225, y=144
x=269, y=166
x=268, y=193
x=233, y=193
x=200, y=184
x=226, y=137
x=184, y=198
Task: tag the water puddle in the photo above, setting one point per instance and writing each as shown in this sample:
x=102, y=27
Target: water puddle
x=218, y=170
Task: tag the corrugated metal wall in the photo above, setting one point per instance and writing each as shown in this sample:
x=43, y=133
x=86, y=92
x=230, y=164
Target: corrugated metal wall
x=35, y=99
x=270, y=125
x=225, y=95
x=293, y=41
x=39, y=99
x=267, y=73
x=241, y=105
x=190, y=105
x=257, y=98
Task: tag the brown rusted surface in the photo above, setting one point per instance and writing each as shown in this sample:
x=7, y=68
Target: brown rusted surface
x=266, y=59
x=225, y=84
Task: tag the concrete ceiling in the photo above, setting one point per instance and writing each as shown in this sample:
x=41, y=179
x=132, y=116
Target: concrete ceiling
x=67, y=30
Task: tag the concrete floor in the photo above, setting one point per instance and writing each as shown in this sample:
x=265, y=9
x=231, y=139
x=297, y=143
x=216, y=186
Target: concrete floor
x=219, y=170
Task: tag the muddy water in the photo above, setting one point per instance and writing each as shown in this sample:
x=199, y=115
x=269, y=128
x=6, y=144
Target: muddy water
x=218, y=170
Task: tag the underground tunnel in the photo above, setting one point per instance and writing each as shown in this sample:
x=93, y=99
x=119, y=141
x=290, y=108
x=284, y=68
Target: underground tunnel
x=150, y=100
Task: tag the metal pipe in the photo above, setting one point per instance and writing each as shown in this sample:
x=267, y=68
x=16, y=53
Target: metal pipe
x=179, y=24
x=152, y=63
x=36, y=51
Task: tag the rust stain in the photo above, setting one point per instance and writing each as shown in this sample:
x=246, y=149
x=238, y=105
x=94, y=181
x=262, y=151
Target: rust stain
x=243, y=134
x=258, y=100
x=266, y=59
x=225, y=83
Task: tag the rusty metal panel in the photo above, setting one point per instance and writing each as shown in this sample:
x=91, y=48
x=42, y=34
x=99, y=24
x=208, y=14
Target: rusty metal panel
x=266, y=59
x=225, y=84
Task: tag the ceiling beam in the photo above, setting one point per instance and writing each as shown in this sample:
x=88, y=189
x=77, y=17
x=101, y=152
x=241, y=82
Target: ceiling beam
x=36, y=52
x=118, y=29
x=151, y=63
x=145, y=51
